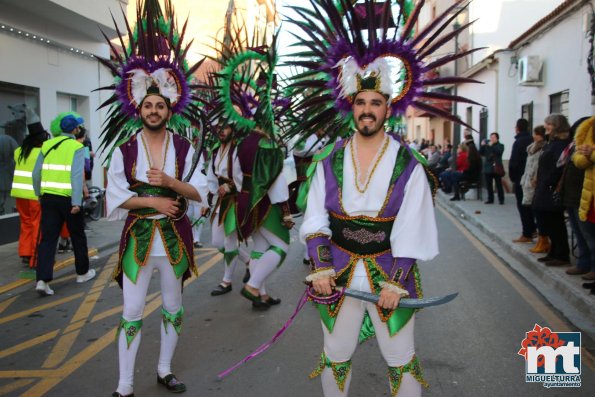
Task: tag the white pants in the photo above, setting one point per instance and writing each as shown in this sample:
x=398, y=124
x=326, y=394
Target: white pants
x=340, y=345
x=261, y=268
x=228, y=244
x=134, y=305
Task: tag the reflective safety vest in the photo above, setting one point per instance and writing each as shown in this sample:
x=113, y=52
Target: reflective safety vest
x=22, y=182
x=57, y=163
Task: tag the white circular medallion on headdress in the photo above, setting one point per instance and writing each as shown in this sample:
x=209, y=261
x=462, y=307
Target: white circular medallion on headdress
x=375, y=76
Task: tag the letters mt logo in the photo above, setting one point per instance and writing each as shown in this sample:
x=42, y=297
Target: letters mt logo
x=552, y=358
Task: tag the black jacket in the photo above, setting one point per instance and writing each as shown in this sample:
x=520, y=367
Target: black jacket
x=548, y=175
x=518, y=156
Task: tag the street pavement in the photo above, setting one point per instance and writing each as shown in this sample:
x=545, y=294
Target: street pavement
x=498, y=224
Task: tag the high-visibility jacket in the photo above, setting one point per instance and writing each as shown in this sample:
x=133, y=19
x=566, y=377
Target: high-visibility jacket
x=22, y=182
x=57, y=163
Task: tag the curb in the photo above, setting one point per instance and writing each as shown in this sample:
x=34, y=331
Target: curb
x=574, y=303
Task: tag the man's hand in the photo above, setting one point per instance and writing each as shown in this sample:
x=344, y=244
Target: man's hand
x=157, y=177
x=389, y=299
x=324, y=286
x=223, y=190
x=288, y=222
x=75, y=209
x=205, y=211
x=166, y=206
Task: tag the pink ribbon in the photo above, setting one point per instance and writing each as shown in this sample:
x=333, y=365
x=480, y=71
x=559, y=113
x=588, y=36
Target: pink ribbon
x=264, y=347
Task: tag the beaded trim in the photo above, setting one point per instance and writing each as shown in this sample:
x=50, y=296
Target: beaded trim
x=320, y=274
x=394, y=287
x=395, y=375
x=131, y=329
x=174, y=319
x=340, y=370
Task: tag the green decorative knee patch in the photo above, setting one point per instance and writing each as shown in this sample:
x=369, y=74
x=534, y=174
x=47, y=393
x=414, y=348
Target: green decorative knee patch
x=131, y=329
x=395, y=375
x=174, y=319
x=280, y=252
x=340, y=370
x=229, y=255
x=255, y=255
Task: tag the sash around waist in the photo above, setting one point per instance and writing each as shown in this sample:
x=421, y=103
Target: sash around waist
x=361, y=235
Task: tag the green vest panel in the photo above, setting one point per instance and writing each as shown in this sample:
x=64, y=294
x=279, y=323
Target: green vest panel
x=22, y=182
x=57, y=163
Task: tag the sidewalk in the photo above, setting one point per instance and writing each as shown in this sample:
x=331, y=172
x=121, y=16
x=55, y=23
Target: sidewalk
x=104, y=235
x=496, y=226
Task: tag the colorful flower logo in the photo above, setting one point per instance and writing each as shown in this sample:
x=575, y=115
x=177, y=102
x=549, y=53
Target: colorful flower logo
x=538, y=337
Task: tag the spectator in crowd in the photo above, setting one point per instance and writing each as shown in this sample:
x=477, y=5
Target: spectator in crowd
x=516, y=168
x=444, y=161
x=433, y=157
x=528, y=183
x=545, y=203
x=7, y=148
x=492, y=151
x=571, y=190
x=452, y=177
x=584, y=158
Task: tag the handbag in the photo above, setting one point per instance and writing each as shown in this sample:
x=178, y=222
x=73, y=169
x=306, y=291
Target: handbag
x=499, y=169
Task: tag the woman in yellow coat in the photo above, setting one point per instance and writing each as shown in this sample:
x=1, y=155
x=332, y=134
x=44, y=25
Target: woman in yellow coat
x=27, y=204
x=584, y=158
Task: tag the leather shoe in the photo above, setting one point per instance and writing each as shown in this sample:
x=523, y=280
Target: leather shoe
x=575, y=270
x=455, y=198
x=557, y=263
x=489, y=202
x=171, y=383
x=589, y=285
x=306, y=261
x=260, y=305
x=246, y=275
x=523, y=239
x=546, y=258
x=589, y=276
x=116, y=394
x=221, y=289
x=272, y=301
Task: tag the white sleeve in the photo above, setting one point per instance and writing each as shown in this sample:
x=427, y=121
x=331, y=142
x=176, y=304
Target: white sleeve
x=117, y=192
x=316, y=218
x=279, y=192
x=198, y=180
x=238, y=176
x=414, y=233
x=212, y=181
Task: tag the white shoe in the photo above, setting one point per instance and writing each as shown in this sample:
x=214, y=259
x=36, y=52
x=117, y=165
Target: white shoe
x=83, y=278
x=43, y=288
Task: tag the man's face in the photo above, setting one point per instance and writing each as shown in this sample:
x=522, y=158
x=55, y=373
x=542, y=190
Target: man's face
x=370, y=111
x=224, y=134
x=154, y=113
x=493, y=138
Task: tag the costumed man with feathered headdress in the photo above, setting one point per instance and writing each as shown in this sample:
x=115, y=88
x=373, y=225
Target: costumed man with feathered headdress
x=369, y=216
x=150, y=180
x=224, y=177
x=246, y=89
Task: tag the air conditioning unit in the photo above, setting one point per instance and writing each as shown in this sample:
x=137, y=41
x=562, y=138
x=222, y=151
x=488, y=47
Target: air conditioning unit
x=530, y=70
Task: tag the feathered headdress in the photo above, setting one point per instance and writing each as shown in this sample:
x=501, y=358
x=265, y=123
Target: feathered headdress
x=153, y=62
x=248, y=95
x=347, y=48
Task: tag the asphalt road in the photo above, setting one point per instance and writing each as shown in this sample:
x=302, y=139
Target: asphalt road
x=63, y=345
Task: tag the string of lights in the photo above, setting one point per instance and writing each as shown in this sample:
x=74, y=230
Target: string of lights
x=11, y=30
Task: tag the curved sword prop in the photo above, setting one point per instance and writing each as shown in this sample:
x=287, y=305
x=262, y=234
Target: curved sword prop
x=365, y=296
x=403, y=302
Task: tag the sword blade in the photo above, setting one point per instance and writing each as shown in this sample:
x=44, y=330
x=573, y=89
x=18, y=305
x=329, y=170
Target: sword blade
x=404, y=302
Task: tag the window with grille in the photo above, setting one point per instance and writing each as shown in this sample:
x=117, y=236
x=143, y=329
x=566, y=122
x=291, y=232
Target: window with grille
x=559, y=102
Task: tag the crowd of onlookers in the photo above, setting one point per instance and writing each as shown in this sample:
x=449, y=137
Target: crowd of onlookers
x=552, y=172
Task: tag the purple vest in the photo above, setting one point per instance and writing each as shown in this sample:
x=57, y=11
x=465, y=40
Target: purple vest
x=393, y=267
x=183, y=227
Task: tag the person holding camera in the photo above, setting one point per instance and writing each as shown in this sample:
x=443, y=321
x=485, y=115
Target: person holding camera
x=493, y=170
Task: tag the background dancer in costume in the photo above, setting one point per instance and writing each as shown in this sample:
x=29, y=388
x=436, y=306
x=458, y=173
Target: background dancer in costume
x=363, y=229
x=150, y=178
x=224, y=177
x=58, y=179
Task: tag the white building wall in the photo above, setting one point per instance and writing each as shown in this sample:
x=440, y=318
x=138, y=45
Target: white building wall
x=501, y=21
x=563, y=50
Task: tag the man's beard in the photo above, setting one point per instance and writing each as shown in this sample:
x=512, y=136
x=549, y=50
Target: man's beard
x=366, y=130
x=153, y=127
x=226, y=139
